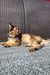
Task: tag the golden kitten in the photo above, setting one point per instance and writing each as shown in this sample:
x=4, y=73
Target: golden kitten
x=15, y=38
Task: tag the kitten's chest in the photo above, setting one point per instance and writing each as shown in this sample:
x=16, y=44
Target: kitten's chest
x=11, y=40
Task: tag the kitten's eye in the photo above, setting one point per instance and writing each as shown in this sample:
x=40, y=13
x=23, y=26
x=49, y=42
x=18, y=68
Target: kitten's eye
x=11, y=32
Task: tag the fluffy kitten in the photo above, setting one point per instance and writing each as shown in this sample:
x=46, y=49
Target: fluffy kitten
x=15, y=38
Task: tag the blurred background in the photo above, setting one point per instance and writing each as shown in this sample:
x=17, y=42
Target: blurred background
x=32, y=16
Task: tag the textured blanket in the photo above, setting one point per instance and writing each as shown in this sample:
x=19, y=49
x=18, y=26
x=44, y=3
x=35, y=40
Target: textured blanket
x=19, y=61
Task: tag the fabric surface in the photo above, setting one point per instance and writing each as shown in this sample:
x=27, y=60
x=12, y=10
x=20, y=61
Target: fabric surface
x=32, y=16
x=37, y=19
x=19, y=61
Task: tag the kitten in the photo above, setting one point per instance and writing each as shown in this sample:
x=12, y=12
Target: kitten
x=15, y=38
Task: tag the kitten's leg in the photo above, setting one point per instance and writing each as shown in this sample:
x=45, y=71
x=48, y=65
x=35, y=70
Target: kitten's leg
x=15, y=44
x=11, y=44
x=35, y=47
x=41, y=44
x=3, y=43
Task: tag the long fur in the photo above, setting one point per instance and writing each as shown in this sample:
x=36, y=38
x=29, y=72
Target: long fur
x=15, y=38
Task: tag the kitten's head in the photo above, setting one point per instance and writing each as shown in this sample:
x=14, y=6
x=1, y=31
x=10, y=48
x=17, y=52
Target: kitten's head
x=14, y=31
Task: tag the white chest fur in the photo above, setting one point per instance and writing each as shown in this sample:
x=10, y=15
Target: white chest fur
x=11, y=40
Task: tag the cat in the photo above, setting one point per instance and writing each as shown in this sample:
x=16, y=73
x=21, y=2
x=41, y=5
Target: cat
x=16, y=38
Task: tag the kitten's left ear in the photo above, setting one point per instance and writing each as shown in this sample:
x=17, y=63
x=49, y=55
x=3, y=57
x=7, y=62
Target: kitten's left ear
x=17, y=29
x=10, y=27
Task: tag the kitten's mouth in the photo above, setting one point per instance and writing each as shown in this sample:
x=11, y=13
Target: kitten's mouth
x=11, y=36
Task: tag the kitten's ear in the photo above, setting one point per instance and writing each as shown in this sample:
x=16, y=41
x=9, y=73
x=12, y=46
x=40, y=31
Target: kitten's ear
x=10, y=27
x=17, y=29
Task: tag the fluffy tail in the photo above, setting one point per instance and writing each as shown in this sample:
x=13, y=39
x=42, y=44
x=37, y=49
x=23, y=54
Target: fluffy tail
x=46, y=41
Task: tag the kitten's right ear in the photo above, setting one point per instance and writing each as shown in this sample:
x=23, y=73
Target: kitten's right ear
x=10, y=27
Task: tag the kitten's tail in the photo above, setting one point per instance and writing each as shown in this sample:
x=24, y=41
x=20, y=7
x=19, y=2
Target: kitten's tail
x=45, y=41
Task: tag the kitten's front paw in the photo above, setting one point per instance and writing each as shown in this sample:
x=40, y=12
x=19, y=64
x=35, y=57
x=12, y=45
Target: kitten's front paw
x=2, y=43
x=6, y=45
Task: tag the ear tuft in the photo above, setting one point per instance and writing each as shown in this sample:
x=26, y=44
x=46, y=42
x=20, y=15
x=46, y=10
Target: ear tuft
x=16, y=29
x=10, y=26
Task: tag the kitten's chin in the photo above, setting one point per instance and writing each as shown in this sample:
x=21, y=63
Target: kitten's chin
x=11, y=36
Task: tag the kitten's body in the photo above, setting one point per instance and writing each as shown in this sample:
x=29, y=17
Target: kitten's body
x=35, y=42
x=16, y=38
